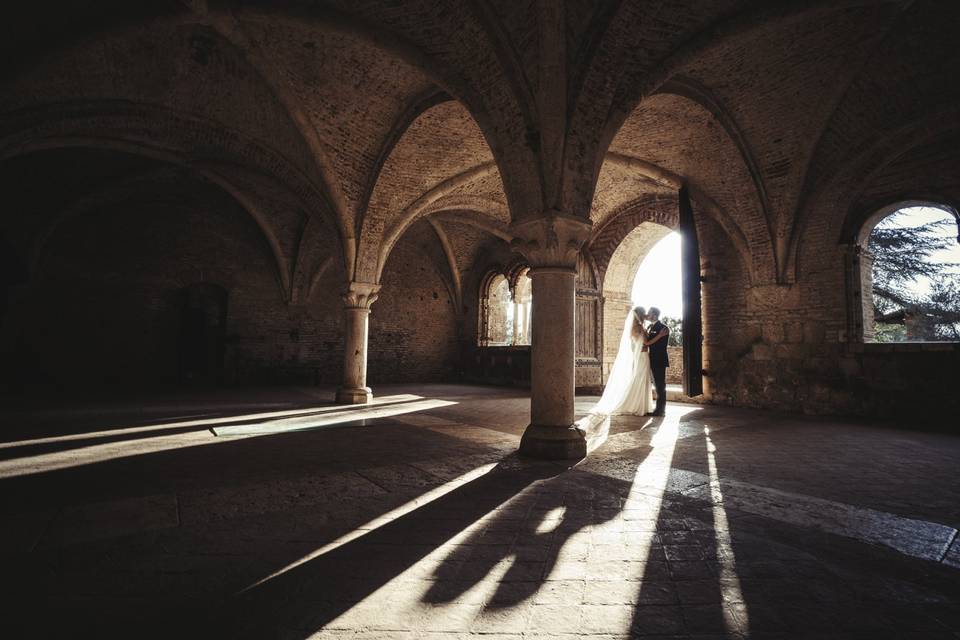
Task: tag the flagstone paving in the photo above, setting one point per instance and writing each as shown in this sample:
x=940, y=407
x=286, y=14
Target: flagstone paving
x=271, y=514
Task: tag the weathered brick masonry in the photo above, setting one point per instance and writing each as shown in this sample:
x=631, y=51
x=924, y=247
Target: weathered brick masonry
x=156, y=158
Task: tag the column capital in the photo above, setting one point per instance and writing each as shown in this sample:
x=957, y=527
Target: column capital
x=553, y=240
x=360, y=295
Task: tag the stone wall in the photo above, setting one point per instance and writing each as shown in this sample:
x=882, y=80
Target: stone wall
x=789, y=346
x=105, y=304
x=675, y=370
x=333, y=143
x=413, y=325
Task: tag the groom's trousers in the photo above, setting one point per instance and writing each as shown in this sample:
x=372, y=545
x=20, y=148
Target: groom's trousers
x=660, y=384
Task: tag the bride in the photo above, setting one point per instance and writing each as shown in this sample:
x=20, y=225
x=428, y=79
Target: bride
x=629, y=389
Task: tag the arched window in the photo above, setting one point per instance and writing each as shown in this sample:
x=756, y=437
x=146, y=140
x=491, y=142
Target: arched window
x=909, y=262
x=505, y=310
x=522, y=306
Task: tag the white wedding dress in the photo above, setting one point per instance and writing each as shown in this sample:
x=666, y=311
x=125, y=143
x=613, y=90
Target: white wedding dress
x=629, y=388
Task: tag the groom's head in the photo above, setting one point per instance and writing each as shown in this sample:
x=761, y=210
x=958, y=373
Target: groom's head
x=654, y=314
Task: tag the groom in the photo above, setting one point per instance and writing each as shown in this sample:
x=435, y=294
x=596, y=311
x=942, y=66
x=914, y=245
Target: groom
x=657, y=344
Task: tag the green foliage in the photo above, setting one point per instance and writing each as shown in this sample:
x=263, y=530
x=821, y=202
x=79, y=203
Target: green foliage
x=903, y=255
x=886, y=332
x=675, y=339
x=946, y=298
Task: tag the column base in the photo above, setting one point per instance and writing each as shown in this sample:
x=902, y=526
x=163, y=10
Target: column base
x=565, y=443
x=360, y=395
x=554, y=443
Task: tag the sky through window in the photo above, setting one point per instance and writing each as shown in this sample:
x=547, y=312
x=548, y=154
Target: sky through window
x=658, y=282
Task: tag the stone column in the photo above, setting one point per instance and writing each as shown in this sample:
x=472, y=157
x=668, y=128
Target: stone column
x=551, y=245
x=358, y=298
x=516, y=320
x=859, y=266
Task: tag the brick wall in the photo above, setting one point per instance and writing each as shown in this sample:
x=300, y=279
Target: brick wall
x=675, y=370
x=105, y=305
x=413, y=325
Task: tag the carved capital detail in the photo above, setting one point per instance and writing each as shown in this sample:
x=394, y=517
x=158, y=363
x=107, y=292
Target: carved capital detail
x=360, y=295
x=551, y=241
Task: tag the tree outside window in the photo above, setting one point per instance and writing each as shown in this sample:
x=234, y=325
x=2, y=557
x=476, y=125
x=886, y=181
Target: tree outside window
x=916, y=275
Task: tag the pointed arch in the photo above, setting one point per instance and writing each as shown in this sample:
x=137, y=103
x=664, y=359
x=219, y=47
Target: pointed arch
x=704, y=203
x=421, y=206
x=411, y=184
x=164, y=135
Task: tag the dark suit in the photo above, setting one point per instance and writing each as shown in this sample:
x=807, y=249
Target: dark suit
x=659, y=361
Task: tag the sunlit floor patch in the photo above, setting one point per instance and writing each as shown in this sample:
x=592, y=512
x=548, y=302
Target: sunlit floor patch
x=918, y=538
x=252, y=425
x=729, y=582
x=913, y=537
x=204, y=420
x=328, y=419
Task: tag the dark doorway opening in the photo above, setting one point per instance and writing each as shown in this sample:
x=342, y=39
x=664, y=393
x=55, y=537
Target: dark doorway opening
x=203, y=322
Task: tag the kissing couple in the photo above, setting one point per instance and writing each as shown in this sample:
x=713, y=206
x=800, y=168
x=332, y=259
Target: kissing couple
x=640, y=364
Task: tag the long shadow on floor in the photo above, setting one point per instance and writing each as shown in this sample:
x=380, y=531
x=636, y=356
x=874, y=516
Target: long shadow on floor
x=534, y=530
x=307, y=597
x=735, y=575
x=81, y=589
x=696, y=590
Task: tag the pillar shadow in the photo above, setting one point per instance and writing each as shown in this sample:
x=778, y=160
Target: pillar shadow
x=67, y=598
x=307, y=597
x=680, y=592
x=533, y=532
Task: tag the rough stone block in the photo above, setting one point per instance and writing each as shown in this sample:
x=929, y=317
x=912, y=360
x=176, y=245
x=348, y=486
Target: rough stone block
x=795, y=332
x=814, y=332
x=773, y=332
x=762, y=352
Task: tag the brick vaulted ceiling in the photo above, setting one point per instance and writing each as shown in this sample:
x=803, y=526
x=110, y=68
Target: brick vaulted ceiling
x=364, y=115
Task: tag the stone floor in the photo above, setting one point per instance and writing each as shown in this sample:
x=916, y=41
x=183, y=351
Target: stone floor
x=273, y=514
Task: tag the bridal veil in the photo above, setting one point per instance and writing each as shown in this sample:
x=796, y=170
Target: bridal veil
x=620, y=380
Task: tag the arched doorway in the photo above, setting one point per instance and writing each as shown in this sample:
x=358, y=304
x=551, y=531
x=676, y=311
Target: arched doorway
x=618, y=283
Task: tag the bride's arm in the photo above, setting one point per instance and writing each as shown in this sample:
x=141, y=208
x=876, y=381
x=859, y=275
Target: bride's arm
x=661, y=335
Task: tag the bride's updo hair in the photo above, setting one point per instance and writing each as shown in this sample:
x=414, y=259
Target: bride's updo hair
x=636, y=329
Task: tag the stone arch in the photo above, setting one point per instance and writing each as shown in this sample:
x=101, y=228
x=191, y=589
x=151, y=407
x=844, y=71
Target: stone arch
x=472, y=217
x=504, y=284
x=859, y=166
x=124, y=256
x=858, y=264
x=100, y=197
x=604, y=103
x=861, y=222
x=421, y=207
x=415, y=324
x=409, y=186
x=608, y=239
x=169, y=137
x=619, y=273
x=483, y=206
x=418, y=106
x=506, y=133
x=617, y=248
x=692, y=90
x=456, y=282
x=653, y=152
x=281, y=261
